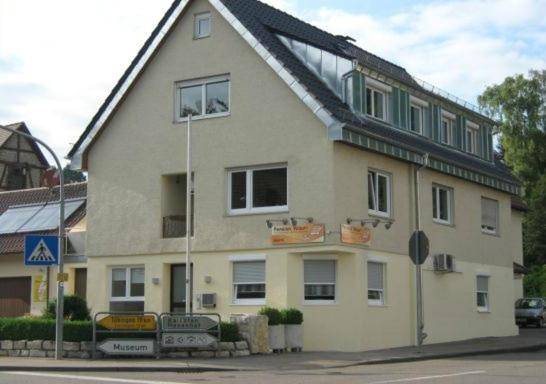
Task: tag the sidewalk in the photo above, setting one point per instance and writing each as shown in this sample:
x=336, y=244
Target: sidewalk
x=528, y=340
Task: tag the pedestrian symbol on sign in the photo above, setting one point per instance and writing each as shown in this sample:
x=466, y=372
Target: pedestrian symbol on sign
x=41, y=253
x=41, y=250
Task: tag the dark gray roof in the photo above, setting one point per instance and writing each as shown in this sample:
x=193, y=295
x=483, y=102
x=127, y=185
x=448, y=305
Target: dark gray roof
x=264, y=22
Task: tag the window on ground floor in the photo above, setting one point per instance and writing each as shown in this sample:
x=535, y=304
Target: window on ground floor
x=376, y=288
x=319, y=280
x=249, y=282
x=482, y=293
x=127, y=289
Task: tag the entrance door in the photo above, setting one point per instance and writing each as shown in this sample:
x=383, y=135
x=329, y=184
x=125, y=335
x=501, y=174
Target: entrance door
x=80, y=283
x=14, y=296
x=178, y=287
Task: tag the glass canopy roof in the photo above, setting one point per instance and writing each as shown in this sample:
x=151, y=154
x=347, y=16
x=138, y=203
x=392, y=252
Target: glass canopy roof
x=37, y=217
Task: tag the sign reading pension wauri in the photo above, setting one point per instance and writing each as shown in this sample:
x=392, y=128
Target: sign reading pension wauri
x=183, y=322
x=352, y=234
x=128, y=346
x=295, y=234
x=186, y=340
x=129, y=322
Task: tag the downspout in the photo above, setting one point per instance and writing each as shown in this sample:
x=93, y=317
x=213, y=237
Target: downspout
x=420, y=325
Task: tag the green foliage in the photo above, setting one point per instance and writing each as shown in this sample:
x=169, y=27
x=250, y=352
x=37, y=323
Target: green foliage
x=230, y=332
x=521, y=102
x=43, y=329
x=292, y=316
x=534, y=283
x=72, y=176
x=273, y=315
x=75, y=308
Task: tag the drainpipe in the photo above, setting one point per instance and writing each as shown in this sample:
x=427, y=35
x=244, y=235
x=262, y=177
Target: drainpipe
x=420, y=335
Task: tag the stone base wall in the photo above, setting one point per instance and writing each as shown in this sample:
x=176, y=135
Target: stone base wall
x=83, y=350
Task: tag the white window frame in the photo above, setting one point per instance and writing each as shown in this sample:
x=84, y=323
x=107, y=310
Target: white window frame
x=449, y=139
x=244, y=259
x=127, y=296
x=248, y=210
x=372, y=112
x=198, y=18
x=487, y=307
x=421, y=118
x=203, y=83
x=381, y=301
x=436, y=196
x=473, y=143
x=485, y=230
x=336, y=268
x=376, y=212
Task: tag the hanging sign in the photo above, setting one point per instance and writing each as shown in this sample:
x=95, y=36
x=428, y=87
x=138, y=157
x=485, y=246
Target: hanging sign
x=355, y=234
x=39, y=288
x=296, y=234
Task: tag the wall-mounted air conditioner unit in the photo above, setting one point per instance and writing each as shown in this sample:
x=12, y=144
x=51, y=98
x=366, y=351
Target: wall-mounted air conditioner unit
x=444, y=263
x=208, y=300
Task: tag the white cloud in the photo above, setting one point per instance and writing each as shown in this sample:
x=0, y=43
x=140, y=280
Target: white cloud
x=60, y=59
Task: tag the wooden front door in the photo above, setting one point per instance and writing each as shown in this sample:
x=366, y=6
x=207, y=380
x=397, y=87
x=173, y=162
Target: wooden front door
x=15, y=296
x=80, y=283
x=178, y=287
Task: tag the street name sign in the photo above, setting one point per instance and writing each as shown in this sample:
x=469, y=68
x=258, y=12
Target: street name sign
x=186, y=340
x=41, y=250
x=129, y=322
x=182, y=322
x=128, y=346
x=418, y=247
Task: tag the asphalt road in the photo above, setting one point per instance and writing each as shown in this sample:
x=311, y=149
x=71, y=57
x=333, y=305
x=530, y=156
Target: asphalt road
x=522, y=368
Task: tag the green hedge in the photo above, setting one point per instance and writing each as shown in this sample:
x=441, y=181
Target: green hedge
x=292, y=316
x=274, y=316
x=43, y=329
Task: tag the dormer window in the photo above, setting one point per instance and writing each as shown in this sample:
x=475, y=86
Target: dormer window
x=416, y=115
x=471, y=137
x=375, y=103
x=448, y=122
x=202, y=25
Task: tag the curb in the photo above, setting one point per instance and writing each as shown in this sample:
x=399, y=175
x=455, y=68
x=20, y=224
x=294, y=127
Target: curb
x=408, y=359
x=117, y=369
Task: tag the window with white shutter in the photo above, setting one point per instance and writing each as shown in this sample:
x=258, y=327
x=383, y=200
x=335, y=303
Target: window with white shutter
x=319, y=280
x=490, y=213
x=482, y=293
x=249, y=282
x=376, y=290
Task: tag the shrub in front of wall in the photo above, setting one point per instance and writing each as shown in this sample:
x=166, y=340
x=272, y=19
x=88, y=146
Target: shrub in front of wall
x=75, y=308
x=230, y=332
x=273, y=315
x=43, y=329
x=292, y=316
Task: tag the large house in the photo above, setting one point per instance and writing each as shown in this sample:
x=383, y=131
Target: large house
x=289, y=121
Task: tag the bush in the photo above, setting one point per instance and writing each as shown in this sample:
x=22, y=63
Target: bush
x=43, y=329
x=292, y=316
x=230, y=332
x=75, y=308
x=273, y=315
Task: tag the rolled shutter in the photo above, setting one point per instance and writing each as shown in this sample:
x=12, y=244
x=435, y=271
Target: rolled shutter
x=319, y=271
x=482, y=283
x=375, y=275
x=249, y=272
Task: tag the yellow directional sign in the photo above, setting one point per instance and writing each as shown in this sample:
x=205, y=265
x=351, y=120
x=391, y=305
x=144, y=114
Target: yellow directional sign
x=129, y=322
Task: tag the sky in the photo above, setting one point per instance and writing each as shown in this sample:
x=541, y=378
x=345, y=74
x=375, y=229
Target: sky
x=59, y=59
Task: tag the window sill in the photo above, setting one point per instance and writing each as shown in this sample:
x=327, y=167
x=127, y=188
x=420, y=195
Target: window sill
x=490, y=233
x=377, y=304
x=251, y=213
x=441, y=222
x=382, y=215
x=201, y=37
x=249, y=302
x=319, y=302
x=483, y=310
x=201, y=117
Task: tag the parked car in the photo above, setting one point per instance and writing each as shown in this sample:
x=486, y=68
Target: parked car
x=531, y=310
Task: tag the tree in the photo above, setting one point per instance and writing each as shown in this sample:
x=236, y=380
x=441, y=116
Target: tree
x=520, y=102
x=71, y=176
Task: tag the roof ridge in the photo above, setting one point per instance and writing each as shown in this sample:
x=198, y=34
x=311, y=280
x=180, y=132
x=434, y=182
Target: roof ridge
x=30, y=190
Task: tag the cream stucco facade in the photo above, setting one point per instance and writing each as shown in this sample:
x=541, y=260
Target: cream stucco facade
x=268, y=124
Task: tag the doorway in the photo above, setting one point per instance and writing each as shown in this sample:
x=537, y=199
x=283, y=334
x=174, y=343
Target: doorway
x=178, y=288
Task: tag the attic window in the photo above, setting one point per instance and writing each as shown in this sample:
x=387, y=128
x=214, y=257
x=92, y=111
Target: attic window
x=202, y=25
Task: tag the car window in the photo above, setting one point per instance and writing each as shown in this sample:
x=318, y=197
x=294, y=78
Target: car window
x=529, y=303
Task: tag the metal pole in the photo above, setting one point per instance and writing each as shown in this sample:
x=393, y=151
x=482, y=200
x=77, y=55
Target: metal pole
x=420, y=335
x=60, y=284
x=188, y=216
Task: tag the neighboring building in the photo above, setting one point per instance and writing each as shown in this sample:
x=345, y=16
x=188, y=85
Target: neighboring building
x=22, y=163
x=24, y=290
x=291, y=121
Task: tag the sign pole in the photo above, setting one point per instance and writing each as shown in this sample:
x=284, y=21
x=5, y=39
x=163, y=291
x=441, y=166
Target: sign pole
x=60, y=284
x=188, y=216
x=420, y=335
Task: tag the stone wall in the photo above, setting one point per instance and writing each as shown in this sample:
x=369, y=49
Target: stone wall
x=83, y=350
x=253, y=329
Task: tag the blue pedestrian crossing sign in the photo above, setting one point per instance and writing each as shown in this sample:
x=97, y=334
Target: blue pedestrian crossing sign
x=41, y=250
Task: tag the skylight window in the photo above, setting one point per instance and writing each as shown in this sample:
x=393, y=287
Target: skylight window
x=329, y=67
